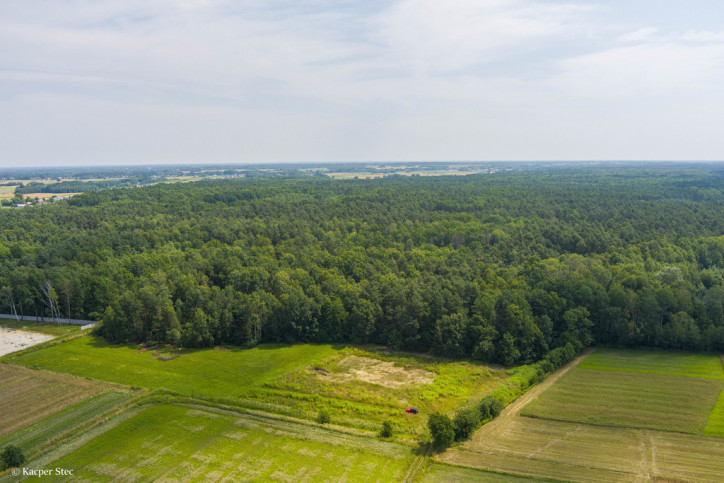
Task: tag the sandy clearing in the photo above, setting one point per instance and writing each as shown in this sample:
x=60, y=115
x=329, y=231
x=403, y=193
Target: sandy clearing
x=379, y=372
x=12, y=340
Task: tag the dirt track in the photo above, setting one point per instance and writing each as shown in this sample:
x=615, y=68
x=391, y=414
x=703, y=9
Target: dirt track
x=514, y=408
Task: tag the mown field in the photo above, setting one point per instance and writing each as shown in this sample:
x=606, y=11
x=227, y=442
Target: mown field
x=45, y=433
x=656, y=390
x=611, y=420
x=218, y=372
x=652, y=401
x=177, y=443
x=27, y=395
x=715, y=422
x=437, y=472
x=655, y=362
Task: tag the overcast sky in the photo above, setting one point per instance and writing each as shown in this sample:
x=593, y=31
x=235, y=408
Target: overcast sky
x=179, y=81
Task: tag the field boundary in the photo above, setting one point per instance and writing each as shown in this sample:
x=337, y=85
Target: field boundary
x=514, y=408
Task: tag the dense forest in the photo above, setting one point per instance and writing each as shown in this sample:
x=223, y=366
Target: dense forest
x=500, y=267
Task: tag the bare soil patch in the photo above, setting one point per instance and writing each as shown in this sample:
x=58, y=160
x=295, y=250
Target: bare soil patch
x=375, y=371
x=15, y=340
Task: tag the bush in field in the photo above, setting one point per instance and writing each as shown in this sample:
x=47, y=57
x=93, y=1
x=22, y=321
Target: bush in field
x=12, y=456
x=442, y=430
x=490, y=407
x=323, y=417
x=387, y=430
x=466, y=421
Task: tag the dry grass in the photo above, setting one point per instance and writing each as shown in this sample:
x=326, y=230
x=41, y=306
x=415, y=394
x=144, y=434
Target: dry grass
x=27, y=395
x=580, y=452
x=375, y=371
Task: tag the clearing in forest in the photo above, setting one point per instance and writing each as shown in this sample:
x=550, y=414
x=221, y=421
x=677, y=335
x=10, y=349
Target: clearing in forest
x=179, y=443
x=27, y=395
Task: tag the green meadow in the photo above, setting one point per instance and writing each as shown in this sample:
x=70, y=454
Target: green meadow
x=220, y=372
x=655, y=362
x=715, y=423
x=178, y=443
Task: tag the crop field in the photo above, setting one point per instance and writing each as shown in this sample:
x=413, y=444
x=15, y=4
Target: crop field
x=581, y=452
x=362, y=388
x=715, y=423
x=42, y=327
x=436, y=472
x=45, y=432
x=655, y=362
x=651, y=401
x=178, y=443
x=27, y=395
x=593, y=424
x=217, y=372
x=643, y=395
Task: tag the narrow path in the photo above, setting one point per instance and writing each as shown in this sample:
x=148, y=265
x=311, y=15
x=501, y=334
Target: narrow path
x=514, y=408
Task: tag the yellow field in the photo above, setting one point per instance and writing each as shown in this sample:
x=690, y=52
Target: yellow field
x=28, y=395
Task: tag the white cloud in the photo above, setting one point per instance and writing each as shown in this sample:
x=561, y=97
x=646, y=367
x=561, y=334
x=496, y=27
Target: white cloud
x=274, y=80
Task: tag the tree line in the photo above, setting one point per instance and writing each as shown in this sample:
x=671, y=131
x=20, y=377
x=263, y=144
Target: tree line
x=501, y=267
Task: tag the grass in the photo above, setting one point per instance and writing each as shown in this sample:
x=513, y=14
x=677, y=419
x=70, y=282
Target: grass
x=184, y=444
x=27, y=396
x=201, y=373
x=42, y=327
x=363, y=388
x=39, y=435
x=656, y=362
x=639, y=400
x=715, y=422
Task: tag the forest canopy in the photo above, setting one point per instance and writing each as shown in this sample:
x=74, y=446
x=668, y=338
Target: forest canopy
x=504, y=267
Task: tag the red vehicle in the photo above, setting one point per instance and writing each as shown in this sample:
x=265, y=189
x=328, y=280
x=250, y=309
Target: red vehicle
x=411, y=410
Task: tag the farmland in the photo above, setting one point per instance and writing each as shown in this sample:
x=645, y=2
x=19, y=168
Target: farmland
x=218, y=372
x=629, y=399
x=624, y=421
x=182, y=443
x=46, y=432
x=27, y=396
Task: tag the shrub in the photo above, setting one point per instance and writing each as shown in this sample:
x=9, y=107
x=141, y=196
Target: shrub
x=12, y=456
x=323, y=417
x=386, y=431
x=466, y=421
x=442, y=430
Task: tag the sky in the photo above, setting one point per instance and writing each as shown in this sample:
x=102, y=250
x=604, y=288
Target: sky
x=91, y=82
